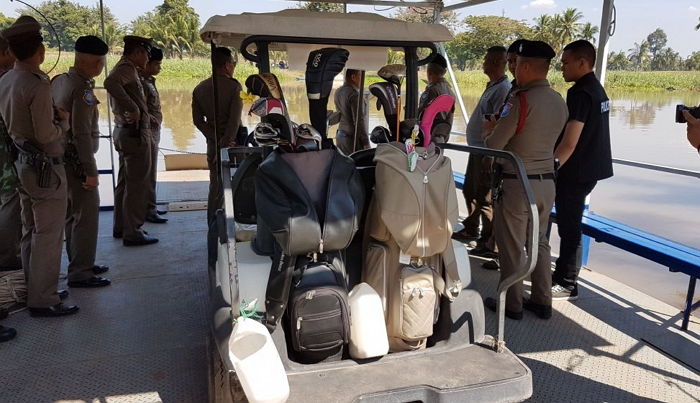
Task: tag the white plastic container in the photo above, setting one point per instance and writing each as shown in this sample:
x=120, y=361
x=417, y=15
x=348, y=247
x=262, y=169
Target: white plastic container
x=368, y=336
x=257, y=363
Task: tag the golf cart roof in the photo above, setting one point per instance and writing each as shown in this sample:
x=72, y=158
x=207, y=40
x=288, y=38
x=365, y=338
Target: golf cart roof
x=446, y=5
x=366, y=29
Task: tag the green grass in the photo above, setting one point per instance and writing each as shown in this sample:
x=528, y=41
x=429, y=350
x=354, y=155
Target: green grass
x=184, y=73
x=616, y=80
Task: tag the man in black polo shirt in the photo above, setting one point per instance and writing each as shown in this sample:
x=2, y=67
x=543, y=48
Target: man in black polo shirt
x=585, y=158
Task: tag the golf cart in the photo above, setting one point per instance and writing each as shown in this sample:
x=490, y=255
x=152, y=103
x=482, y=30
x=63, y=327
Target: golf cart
x=460, y=363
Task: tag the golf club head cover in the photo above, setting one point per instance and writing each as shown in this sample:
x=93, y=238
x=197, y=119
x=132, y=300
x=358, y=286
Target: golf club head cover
x=443, y=103
x=264, y=85
x=387, y=100
x=264, y=106
x=321, y=68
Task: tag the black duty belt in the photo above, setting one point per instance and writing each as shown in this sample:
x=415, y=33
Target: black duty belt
x=533, y=176
x=30, y=158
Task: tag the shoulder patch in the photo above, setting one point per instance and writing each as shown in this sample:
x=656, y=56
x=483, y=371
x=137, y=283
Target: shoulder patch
x=89, y=97
x=506, y=109
x=605, y=106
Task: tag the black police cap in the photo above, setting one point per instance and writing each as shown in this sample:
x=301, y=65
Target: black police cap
x=91, y=45
x=138, y=41
x=513, y=48
x=156, y=55
x=25, y=28
x=439, y=60
x=536, y=49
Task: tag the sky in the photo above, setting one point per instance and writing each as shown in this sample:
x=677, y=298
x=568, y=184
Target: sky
x=635, y=18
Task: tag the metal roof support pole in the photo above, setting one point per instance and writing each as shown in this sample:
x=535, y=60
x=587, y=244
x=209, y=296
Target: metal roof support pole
x=441, y=48
x=607, y=29
x=411, y=60
x=109, y=106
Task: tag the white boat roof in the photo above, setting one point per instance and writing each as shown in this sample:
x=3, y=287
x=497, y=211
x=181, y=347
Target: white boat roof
x=230, y=30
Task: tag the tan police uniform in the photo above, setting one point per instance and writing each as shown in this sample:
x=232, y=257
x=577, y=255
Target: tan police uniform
x=154, y=110
x=28, y=111
x=10, y=210
x=74, y=93
x=228, y=119
x=534, y=144
x=133, y=142
x=346, y=102
x=441, y=132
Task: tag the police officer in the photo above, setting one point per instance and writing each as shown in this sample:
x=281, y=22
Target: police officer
x=585, y=158
x=132, y=139
x=477, y=190
x=352, y=126
x=148, y=75
x=10, y=211
x=73, y=91
x=228, y=120
x=38, y=130
x=437, y=85
x=528, y=127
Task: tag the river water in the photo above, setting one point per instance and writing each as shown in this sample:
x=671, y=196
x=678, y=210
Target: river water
x=642, y=129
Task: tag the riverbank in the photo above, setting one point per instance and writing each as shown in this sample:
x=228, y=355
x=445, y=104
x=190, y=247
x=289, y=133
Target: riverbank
x=176, y=71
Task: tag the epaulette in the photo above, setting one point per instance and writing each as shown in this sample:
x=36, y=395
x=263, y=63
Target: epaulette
x=42, y=76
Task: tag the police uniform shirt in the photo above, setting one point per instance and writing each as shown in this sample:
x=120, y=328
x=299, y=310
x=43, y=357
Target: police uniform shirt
x=544, y=120
x=126, y=92
x=229, y=113
x=75, y=93
x=490, y=102
x=27, y=109
x=346, y=99
x=432, y=91
x=153, y=101
x=592, y=158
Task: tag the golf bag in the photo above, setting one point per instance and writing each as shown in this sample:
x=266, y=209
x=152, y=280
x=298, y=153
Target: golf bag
x=321, y=68
x=409, y=259
x=311, y=202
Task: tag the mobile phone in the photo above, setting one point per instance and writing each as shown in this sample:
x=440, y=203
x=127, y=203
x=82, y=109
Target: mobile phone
x=695, y=112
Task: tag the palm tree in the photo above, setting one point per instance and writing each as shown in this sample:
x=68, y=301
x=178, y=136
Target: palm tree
x=588, y=32
x=543, y=28
x=567, y=25
x=640, y=55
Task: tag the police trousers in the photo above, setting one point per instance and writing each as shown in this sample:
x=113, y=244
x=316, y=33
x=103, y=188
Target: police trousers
x=130, y=195
x=43, y=219
x=344, y=141
x=11, y=230
x=153, y=173
x=477, y=194
x=570, y=200
x=510, y=221
x=82, y=219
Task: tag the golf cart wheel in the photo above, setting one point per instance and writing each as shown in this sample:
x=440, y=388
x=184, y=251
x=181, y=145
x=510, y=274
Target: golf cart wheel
x=224, y=386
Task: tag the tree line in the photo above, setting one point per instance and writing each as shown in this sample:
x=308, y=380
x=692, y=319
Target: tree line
x=174, y=27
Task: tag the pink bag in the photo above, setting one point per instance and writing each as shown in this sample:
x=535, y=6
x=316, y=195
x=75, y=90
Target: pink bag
x=443, y=103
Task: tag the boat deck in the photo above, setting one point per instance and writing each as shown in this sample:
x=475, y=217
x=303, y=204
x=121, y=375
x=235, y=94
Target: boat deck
x=143, y=339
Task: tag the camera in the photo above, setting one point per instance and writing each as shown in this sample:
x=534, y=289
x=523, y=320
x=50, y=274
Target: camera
x=695, y=112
